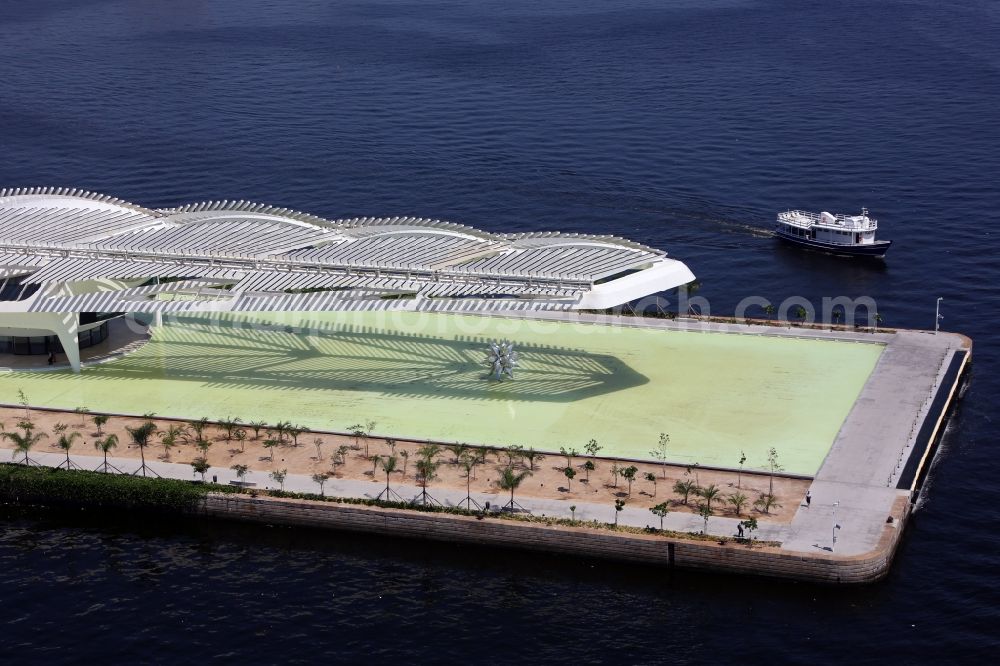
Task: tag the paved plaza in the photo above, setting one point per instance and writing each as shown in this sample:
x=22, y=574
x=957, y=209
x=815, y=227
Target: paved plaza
x=422, y=376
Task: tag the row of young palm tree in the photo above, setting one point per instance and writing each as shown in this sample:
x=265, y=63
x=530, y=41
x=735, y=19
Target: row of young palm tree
x=428, y=463
x=685, y=488
x=515, y=462
x=27, y=435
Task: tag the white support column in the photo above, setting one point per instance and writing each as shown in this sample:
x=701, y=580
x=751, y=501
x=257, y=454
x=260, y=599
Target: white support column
x=67, y=329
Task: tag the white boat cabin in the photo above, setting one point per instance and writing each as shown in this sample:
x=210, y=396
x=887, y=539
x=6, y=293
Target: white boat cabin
x=828, y=228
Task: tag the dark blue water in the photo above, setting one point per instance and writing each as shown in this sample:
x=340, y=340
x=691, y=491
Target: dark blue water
x=685, y=125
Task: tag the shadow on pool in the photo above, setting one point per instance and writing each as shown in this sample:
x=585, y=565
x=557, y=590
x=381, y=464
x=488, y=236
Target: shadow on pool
x=254, y=354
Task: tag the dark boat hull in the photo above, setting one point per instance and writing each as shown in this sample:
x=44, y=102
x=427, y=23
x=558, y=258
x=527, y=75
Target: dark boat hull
x=876, y=249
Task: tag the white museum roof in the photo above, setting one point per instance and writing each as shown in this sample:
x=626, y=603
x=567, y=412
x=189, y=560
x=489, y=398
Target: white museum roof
x=55, y=236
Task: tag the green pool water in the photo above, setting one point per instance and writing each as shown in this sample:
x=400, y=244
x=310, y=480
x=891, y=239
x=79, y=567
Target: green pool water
x=422, y=376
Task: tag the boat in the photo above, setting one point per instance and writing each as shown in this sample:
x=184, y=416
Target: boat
x=851, y=235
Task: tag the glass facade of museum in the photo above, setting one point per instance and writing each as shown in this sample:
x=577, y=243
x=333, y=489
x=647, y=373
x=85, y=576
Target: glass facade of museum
x=43, y=344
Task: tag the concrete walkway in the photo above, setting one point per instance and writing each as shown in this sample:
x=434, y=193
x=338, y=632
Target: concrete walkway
x=861, y=469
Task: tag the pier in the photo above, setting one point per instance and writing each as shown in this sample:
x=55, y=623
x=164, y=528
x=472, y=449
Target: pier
x=861, y=494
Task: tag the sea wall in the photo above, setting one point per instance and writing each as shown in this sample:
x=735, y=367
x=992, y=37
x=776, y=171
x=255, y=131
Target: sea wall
x=728, y=557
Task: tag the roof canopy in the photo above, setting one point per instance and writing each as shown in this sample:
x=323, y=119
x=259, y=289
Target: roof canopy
x=245, y=256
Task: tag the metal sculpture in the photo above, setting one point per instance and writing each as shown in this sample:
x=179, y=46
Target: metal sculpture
x=501, y=360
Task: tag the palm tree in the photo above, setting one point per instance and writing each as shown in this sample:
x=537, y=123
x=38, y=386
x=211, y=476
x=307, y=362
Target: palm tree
x=65, y=442
x=769, y=310
x=285, y=429
x=241, y=436
x=391, y=443
x=320, y=479
x=389, y=466
x=82, y=411
x=532, y=457
x=203, y=444
x=294, y=431
x=374, y=460
x=229, y=424
x=99, y=421
x=429, y=451
x=201, y=466
x=198, y=427
x=105, y=445
x=468, y=463
x=766, y=502
x=510, y=480
x=515, y=453
x=23, y=443
x=405, y=455
x=685, y=487
x=710, y=494
x=426, y=472
x=170, y=438
x=738, y=501
x=256, y=426
x=457, y=449
x=140, y=437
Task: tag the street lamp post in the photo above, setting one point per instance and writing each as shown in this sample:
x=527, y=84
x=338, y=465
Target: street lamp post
x=937, y=314
x=833, y=545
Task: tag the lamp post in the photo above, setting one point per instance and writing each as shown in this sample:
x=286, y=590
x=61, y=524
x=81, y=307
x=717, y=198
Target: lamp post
x=833, y=545
x=937, y=314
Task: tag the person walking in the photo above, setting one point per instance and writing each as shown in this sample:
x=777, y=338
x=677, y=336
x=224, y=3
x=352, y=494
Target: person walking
x=809, y=498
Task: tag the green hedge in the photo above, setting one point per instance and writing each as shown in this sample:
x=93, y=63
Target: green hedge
x=55, y=487
x=506, y=515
